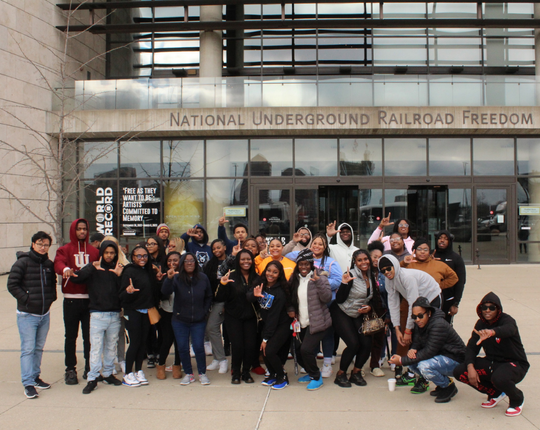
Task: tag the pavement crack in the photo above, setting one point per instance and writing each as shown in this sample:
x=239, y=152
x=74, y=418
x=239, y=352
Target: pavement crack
x=263, y=408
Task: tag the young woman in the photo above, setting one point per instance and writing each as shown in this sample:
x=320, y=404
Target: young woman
x=310, y=292
x=402, y=227
x=275, y=250
x=176, y=244
x=156, y=249
x=166, y=308
x=435, y=352
x=229, y=263
x=271, y=291
x=139, y=292
x=192, y=300
x=216, y=316
x=240, y=316
x=357, y=296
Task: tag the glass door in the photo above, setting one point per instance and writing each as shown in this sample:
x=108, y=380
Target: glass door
x=492, y=233
x=427, y=208
x=341, y=204
x=273, y=211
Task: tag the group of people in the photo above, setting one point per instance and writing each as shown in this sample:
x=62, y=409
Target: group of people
x=264, y=300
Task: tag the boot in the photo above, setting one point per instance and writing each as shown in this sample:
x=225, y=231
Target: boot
x=160, y=371
x=177, y=371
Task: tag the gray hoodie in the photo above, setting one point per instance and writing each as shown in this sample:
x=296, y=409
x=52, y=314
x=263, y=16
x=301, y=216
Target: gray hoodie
x=297, y=246
x=341, y=252
x=411, y=284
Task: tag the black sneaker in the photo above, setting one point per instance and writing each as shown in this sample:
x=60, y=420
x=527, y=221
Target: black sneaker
x=85, y=374
x=246, y=377
x=30, y=392
x=342, y=381
x=435, y=392
x=111, y=380
x=91, y=386
x=446, y=394
x=151, y=362
x=71, y=377
x=41, y=385
x=405, y=380
x=357, y=379
x=421, y=386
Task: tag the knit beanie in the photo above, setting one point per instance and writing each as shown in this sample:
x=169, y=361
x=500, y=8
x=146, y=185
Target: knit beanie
x=305, y=255
x=421, y=241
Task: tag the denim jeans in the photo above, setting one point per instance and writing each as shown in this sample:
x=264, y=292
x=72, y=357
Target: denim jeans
x=182, y=332
x=436, y=369
x=33, y=331
x=104, y=327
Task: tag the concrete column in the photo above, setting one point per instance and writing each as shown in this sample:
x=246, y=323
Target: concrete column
x=537, y=52
x=211, y=58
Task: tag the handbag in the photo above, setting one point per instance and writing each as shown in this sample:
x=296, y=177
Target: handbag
x=153, y=315
x=371, y=325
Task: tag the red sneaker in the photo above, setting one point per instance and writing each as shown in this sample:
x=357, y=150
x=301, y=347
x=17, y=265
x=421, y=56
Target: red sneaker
x=491, y=403
x=258, y=370
x=514, y=412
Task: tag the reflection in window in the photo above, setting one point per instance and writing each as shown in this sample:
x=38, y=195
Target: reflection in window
x=226, y=158
x=449, y=157
x=405, y=157
x=528, y=196
x=99, y=159
x=493, y=156
x=183, y=205
x=371, y=213
x=183, y=158
x=223, y=193
x=395, y=203
x=315, y=157
x=459, y=218
x=140, y=159
x=271, y=157
x=528, y=156
x=360, y=157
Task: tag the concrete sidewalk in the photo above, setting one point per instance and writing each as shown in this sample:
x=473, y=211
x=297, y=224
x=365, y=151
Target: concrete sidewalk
x=165, y=404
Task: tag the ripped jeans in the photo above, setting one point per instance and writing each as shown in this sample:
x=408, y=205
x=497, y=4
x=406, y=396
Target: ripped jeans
x=436, y=369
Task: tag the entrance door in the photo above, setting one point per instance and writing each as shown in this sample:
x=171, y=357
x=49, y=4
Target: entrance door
x=492, y=233
x=427, y=210
x=273, y=209
x=339, y=203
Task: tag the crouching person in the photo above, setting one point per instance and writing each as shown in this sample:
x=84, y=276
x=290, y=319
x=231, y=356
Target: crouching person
x=102, y=279
x=505, y=363
x=435, y=352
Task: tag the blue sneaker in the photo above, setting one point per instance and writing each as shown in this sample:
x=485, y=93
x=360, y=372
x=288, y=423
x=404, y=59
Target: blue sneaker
x=269, y=381
x=304, y=379
x=281, y=384
x=315, y=384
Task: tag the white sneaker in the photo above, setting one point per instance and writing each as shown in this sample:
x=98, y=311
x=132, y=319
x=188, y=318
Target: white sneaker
x=204, y=379
x=207, y=348
x=130, y=380
x=214, y=365
x=168, y=368
x=141, y=378
x=114, y=371
x=326, y=371
x=223, y=366
x=302, y=370
x=188, y=379
x=333, y=359
x=377, y=371
x=381, y=362
x=123, y=366
x=393, y=367
x=267, y=373
x=191, y=352
x=320, y=356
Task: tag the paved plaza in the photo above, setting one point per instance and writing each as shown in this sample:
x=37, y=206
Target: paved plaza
x=167, y=405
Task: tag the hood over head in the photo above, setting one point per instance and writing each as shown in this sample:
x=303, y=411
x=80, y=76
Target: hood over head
x=387, y=260
x=424, y=303
x=421, y=241
x=490, y=298
x=338, y=236
x=102, y=247
x=450, y=237
x=205, y=234
x=310, y=235
x=73, y=231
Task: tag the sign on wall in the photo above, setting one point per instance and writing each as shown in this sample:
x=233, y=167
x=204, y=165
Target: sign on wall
x=140, y=210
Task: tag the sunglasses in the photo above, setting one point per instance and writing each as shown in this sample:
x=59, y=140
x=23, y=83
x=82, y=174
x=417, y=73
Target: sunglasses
x=418, y=316
x=488, y=307
x=395, y=240
x=403, y=225
x=385, y=269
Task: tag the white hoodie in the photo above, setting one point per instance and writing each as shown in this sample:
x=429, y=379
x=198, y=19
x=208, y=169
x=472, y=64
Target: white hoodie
x=341, y=252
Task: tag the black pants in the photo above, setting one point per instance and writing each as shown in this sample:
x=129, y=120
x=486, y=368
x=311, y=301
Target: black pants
x=137, y=326
x=357, y=344
x=76, y=313
x=277, y=349
x=378, y=341
x=244, y=346
x=495, y=378
x=167, y=339
x=306, y=352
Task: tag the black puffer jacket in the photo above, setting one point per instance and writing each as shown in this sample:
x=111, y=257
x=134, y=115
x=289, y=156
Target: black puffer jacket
x=32, y=282
x=455, y=262
x=437, y=337
x=234, y=296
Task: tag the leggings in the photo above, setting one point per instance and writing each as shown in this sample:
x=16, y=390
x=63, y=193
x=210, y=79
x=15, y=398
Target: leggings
x=306, y=352
x=357, y=344
x=137, y=326
x=168, y=339
x=244, y=346
x=277, y=349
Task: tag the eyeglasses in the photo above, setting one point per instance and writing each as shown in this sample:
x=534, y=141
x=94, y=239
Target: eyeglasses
x=386, y=269
x=42, y=245
x=394, y=240
x=418, y=316
x=488, y=307
x=151, y=244
x=141, y=256
x=305, y=235
x=404, y=225
x=189, y=261
x=423, y=249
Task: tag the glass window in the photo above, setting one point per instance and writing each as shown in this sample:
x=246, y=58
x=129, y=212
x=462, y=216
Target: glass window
x=183, y=205
x=405, y=157
x=315, y=157
x=492, y=224
x=528, y=155
x=528, y=194
x=274, y=220
x=493, y=156
x=271, y=157
x=449, y=157
x=183, y=158
x=395, y=203
x=99, y=159
x=360, y=157
x=226, y=193
x=226, y=157
x=371, y=206
x=306, y=209
x=140, y=159
x=459, y=218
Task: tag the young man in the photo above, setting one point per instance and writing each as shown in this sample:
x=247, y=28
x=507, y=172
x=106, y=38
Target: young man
x=341, y=252
x=33, y=283
x=240, y=232
x=198, y=245
x=95, y=239
x=164, y=233
x=397, y=247
x=69, y=258
x=505, y=363
x=301, y=240
x=102, y=278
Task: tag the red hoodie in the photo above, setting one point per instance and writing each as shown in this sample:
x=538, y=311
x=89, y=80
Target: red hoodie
x=75, y=255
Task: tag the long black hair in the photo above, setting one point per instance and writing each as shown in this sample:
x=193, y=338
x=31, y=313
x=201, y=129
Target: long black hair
x=166, y=263
x=281, y=280
x=396, y=226
x=377, y=301
x=160, y=259
x=182, y=274
x=238, y=271
x=148, y=265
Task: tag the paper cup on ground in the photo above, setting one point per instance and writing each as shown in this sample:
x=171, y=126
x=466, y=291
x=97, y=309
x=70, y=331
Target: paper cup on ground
x=392, y=384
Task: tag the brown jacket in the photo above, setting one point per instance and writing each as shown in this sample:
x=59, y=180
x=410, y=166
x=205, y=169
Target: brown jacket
x=441, y=272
